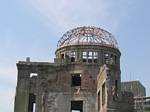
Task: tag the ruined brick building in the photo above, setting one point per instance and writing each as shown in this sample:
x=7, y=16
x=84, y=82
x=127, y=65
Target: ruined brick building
x=84, y=77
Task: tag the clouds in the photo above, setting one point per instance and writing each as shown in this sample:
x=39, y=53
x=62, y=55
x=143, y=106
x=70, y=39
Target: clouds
x=44, y=21
x=7, y=97
x=8, y=75
x=66, y=14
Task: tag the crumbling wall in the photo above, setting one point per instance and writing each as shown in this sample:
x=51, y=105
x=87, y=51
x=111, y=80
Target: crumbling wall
x=127, y=102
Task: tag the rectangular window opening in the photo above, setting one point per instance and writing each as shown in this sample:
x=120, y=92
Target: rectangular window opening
x=106, y=61
x=89, y=60
x=84, y=57
x=72, y=59
x=111, y=60
x=106, y=55
x=95, y=54
x=32, y=102
x=103, y=94
x=116, y=88
x=34, y=105
x=95, y=60
x=76, y=80
x=115, y=59
x=90, y=57
x=111, y=55
x=107, y=58
x=95, y=57
x=99, y=105
x=72, y=56
x=33, y=75
x=76, y=106
x=84, y=60
x=62, y=56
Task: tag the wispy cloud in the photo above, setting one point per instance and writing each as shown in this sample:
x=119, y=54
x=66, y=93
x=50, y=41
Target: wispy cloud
x=8, y=76
x=64, y=15
x=67, y=14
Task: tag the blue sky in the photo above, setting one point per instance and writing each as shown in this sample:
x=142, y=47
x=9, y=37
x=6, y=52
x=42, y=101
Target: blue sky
x=31, y=28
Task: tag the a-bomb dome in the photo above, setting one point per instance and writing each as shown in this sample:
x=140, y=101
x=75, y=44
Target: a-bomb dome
x=87, y=36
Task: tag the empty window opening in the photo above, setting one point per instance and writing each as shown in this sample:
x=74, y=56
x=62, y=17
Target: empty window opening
x=31, y=104
x=84, y=57
x=34, y=105
x=95, y=57
x=115, y=59
x=103, y=94
x=76, y=79
x=106, y=55
x=111, y=59
x=72, y=56
x=116, y=88
x=33, y=74
x=75, y=111
x=111, y=55
x=62, y=56
x=90, y=56
x=108, y=71
x=72, y=59
x=99, y=105
x=76, y=106
x=106, y=61
x=107, y=58
x=67, y=56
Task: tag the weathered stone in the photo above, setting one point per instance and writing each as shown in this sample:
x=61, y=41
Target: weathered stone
x=95, y=68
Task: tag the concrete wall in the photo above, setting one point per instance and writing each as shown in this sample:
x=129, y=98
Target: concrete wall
x=135, y=87
x=52, y=85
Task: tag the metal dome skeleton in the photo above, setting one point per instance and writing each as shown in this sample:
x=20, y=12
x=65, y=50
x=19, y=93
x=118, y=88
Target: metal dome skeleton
x=87, y=36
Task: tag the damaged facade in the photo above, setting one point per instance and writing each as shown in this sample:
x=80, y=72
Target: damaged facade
x=84, y=77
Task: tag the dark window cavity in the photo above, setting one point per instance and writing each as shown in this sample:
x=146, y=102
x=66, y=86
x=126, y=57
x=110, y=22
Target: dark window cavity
x=84, y=57
x=72, y=56
x=90, y=55
x=62, y=56
x=116, y=88
x=99, y=105
x=95, y=57
x=76, y=106
x=103, y=94
x=106, y=58
x=76, y=80
x=31, y=104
